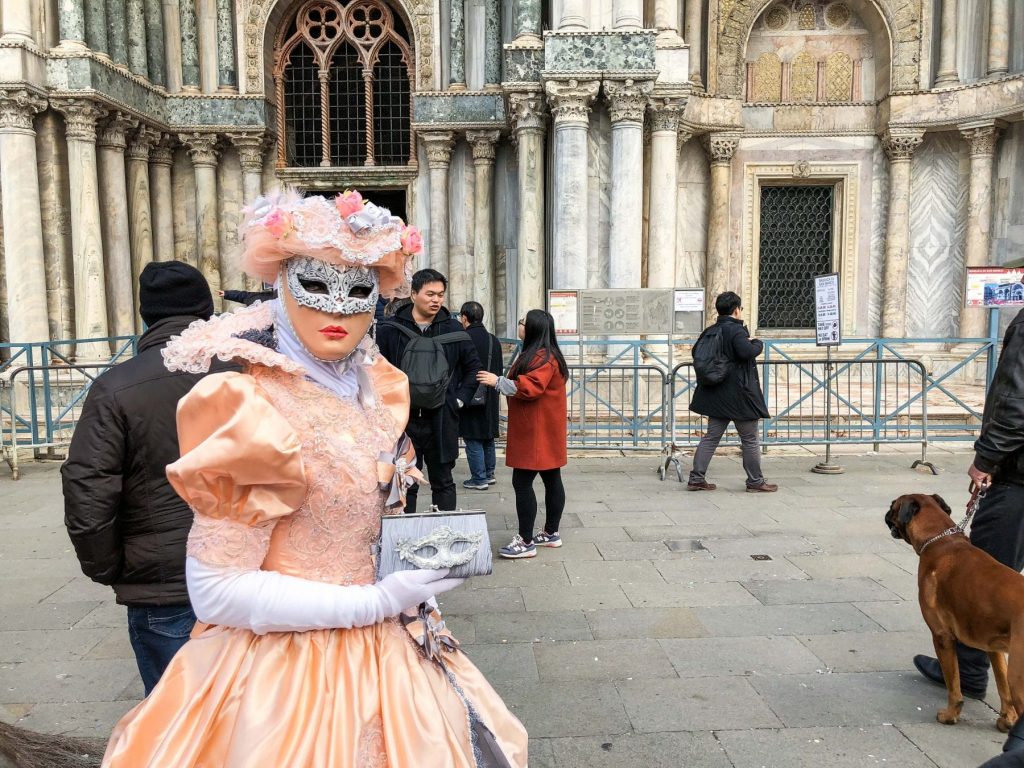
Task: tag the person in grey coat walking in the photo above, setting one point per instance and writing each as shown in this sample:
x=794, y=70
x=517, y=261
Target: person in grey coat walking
x=737, y=398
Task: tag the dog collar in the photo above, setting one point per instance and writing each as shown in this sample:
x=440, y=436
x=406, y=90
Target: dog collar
x=972, y=507
x=948, y=532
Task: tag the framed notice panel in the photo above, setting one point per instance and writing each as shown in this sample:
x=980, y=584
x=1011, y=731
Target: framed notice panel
x=626, y=311
x=826, y=310
x=564, y=306
x=994, y=287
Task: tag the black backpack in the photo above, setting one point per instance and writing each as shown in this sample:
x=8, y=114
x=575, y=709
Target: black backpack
x=426, y=365
x=710, y=361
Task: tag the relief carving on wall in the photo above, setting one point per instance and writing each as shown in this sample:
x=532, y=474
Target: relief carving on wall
x=839, y=77
x=803, y=78
x=767, y=79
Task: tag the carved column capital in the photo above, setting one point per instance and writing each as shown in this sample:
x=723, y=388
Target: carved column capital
x=527, y=110
x=439, y=147
x=112, y=133
x=571, y=99
x=628, y=99
x=202, y=148
x=982, y=139
x=721, y=147
x=80, y=117
x=683, y=135
x=665, y=115
x=162, y=152
x=141, y=143
x=17, y=108
x=250, y=148
x=483, y=144
x=900, y=147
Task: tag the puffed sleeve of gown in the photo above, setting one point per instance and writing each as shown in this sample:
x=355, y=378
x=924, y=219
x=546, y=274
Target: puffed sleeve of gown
x=240, y=469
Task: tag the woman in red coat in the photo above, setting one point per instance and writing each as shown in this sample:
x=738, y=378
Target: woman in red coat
x=537, y=428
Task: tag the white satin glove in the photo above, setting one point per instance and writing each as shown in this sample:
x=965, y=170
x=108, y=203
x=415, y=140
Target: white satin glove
x=267, y=601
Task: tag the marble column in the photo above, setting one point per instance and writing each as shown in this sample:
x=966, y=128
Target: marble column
x=202, y=149
x=720, y=148
x=457, y=59
x=570, y=106
x=492, y=44
x=227, y=67
x=206, y=25
x=117, y=31
x=55, y=205
x=156, y=64
x=161, y=158
x=96, y=26
x=16, y=21
x=483, y=144
x=140, y=217
x=573, y=17
x=899, y=148
x=661, y=228
x=117, y=248
x=80, y=116
x=947, y=74
x=439, y=155
x=693, y=32
x=528, y=20
x=627, y=14
x=138, y=55
x=628, y=101
x=528, y=121
x=188, y=44
x=71, y=21
x=172, y=36
x=250, y=153
x=24, y=262
x=999, y=38
x=666, y=21
x=977, y=251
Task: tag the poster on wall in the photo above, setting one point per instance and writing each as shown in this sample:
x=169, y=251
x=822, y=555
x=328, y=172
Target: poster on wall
x=826, y=310
x=994, y=287
x=564, y=307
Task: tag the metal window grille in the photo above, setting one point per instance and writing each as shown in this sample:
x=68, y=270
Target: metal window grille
x=795, y=245
x=302, y=107
x=348, y=108
x=391, y=107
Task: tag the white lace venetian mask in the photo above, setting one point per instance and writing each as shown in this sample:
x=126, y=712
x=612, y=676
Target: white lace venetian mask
x=331, y=288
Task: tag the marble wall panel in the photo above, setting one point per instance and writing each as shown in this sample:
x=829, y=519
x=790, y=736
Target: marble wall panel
x=183, y=182
x=433, y=109
x=879, y=225
x=692, y=215
x=1008, y=205
x=523, y=65
x=420, y=213
x=461, y=186
x=938, y=210
x=475, y=49
x=572, y=52
x=599, y=192
x=506, y=234
x=229, y=208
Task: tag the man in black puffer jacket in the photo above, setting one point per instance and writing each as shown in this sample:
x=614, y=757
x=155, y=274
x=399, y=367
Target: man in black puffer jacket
x=127, y=524
x=998, y=525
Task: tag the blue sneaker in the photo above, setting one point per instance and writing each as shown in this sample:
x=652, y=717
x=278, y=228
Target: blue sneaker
x=518, y=549
x=469, y=485
x=545, y=539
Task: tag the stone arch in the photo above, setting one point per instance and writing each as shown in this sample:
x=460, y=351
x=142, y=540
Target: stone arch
x=263, y=16
x=895, y=26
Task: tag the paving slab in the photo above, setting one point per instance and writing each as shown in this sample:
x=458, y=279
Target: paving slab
x=646, y=516
x=847, y=566
x=881, y=745
x=792, y=591
x=602, y=660
x=66, y=680
x=606, y=595
x=585, y=708
x=728, y=569
x=639, y=550
x=503, y=661
x=532, y=572
x=869, y=651
x=739, y=621
x=717, y=656
x=644, y=622
x=593, y=572
x=894, y=615
x=29, y=589
x=776, y=545
x=75, y=718
x=595, y=534
x=463, y=601
x=688, y=595
x=48, y=645
x=527, y=627
x=964, y=745
x=48, y=616
x=645, y=750
x=710, y=528
x=698, y=704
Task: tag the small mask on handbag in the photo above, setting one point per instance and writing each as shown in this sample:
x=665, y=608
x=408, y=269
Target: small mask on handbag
x=435, y=539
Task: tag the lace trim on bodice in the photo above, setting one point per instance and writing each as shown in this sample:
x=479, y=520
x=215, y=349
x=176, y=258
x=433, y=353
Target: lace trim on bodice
x=224, y=542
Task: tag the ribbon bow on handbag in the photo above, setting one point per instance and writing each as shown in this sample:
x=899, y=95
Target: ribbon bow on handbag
x=396, y=472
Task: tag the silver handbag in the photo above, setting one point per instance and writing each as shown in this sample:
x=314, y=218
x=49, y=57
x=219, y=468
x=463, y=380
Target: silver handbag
x=435, y=539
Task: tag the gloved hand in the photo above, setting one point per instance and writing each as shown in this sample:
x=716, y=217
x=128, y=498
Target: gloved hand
x=407, y=589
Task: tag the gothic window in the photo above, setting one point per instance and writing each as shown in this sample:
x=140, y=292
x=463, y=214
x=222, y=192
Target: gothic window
x=767, y=79
x=795, y=245
x=803, y=82
x=838, y=77
x=343, y=72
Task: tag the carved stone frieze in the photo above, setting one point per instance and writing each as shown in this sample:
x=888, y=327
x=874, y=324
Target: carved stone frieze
x=982, y=139
x=571, y=99
x=202, y=148
x=527, y=110
x=721, y=147
x=628, y=99
x=901, y=146
x=80, y=117
x=17, y=107
x=439, y=147
x=483, y=144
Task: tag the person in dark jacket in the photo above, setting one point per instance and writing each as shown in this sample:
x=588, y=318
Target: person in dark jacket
x=434, y=432
x=247, y=297
x=737, y=399
x=127, y=524
x=998, y=525
x=478, y=424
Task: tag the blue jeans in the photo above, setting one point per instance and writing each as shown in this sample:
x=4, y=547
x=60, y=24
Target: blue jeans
x=480, y=455
x=157, y=632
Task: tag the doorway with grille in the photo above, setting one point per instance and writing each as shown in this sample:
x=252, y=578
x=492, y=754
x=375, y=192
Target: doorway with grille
x=796, y=242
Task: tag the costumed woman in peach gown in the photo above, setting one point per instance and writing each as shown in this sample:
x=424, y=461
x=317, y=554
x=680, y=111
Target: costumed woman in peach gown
x=301, y=658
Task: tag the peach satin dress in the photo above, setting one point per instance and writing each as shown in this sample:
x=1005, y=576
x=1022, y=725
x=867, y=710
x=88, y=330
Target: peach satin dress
x=283, y=476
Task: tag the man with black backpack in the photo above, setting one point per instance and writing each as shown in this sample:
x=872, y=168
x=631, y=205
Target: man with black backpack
x=441, y=362
x=728, y=389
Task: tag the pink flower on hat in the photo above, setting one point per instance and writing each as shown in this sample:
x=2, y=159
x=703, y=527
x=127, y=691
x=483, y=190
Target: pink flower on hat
x=349, y=202
x=278, y=223
x=412, y=240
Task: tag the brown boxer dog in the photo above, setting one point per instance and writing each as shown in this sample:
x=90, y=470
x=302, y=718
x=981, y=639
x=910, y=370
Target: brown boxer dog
x=965, y=595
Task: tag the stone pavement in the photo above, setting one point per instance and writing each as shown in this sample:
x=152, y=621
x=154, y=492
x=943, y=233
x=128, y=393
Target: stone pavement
x=672, y=628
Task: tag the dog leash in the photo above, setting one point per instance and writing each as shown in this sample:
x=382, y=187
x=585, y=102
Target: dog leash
x=972, y=507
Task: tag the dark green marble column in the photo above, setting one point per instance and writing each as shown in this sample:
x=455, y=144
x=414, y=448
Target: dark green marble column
x=71, y=18
x=155, y=53
x=527, y=18
x=492, y=42
x=117, y=24
x=457, y=66
x=136, y=25
x=227, y=67
x=96, y=25
x=189, y=45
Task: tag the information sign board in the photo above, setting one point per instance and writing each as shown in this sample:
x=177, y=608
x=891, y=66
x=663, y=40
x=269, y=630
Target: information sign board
x=994, y=287
x=826, y=310
x=630, y=312
x=564, y=307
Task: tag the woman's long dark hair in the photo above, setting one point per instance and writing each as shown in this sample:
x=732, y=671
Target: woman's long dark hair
x=539, y=345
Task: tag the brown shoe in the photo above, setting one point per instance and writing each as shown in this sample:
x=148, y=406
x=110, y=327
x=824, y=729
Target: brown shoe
x=762, y=488
x=701, y=486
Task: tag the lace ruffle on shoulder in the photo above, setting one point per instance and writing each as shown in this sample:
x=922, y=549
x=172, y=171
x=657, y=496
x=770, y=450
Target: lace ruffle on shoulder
x=220, y=337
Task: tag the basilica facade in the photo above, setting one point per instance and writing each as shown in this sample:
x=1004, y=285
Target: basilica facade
x=539, y=144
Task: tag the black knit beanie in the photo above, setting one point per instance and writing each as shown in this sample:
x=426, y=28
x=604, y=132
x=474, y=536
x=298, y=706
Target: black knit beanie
x=169, y=288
